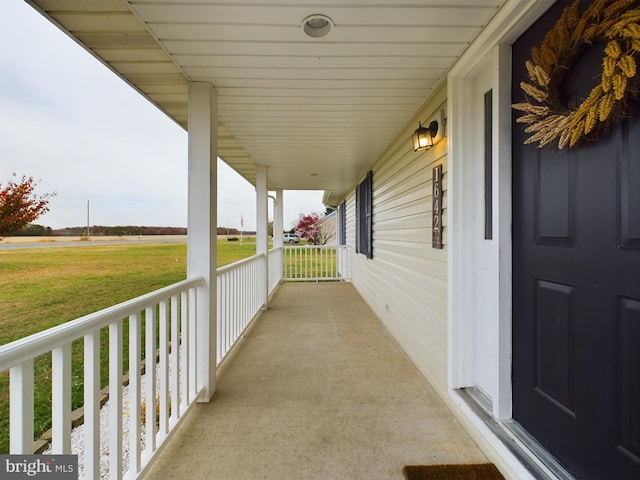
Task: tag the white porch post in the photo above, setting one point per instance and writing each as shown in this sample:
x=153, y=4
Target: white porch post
x=278, y=220
x=202, y=226
x=262, y=218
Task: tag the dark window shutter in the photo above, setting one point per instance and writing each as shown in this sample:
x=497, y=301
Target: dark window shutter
x=364, y=209
x=342, y=221
x=358, y=217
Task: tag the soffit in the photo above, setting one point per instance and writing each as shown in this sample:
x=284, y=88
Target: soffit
x=317, y=112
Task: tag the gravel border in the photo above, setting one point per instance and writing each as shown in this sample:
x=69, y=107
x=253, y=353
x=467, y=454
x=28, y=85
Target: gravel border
x=77, y=433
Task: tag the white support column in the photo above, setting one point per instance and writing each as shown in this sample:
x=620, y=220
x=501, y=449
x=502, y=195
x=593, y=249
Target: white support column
x=202, y=225
x=262, y=219
x=278, y=220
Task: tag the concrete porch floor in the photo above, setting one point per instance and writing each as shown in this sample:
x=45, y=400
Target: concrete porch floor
x=318, y=389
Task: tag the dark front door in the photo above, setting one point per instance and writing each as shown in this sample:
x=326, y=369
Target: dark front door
x=576, y=274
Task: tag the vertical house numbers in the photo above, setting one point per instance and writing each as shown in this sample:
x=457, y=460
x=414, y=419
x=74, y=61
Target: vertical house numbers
x=436, y=225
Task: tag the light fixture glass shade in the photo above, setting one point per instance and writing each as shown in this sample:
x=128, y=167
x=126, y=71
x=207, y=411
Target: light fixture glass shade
x=317, y=26
x=423, y=137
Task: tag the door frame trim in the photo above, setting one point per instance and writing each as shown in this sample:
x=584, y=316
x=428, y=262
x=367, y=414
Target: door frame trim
x=492, y=45
x=463, y=284
x=493, y=48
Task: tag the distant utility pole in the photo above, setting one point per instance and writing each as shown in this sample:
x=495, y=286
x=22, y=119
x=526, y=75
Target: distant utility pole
x=88, y=231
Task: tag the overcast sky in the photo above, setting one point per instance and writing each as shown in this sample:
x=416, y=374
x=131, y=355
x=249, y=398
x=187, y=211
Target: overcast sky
x=68, y=121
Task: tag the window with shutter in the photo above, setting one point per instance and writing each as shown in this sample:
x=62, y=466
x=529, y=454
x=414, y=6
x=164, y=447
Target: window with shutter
x=364, y=221
x=342, y=222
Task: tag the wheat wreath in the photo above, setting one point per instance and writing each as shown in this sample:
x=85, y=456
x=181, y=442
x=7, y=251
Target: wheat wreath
x=612, y=22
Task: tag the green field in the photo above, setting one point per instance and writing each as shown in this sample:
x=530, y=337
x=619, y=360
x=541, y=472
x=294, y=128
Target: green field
x=44, y=287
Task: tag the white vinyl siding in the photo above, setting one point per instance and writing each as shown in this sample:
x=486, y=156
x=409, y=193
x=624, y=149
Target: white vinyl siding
x=406, y=281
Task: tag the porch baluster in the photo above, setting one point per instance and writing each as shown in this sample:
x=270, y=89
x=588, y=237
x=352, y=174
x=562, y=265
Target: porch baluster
x=115, y=400
x=174, y=361
x=134, y=394
x=163, y=370
x=150, y=381
x=21, y=409
x=61, y=399
x=92, y=405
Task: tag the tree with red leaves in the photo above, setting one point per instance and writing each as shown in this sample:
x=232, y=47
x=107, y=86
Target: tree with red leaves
x=309, y=229
x=19, y=205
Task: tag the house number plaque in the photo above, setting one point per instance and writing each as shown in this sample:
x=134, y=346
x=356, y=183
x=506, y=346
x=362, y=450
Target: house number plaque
x=436, y=225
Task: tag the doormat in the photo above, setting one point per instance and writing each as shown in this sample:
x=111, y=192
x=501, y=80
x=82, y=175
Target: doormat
x=480, y=471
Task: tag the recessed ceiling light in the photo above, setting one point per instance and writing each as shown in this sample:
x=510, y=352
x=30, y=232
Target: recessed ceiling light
x=317, y=26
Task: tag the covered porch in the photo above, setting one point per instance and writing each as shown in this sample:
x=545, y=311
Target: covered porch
x=314, y=96
x=316, y=388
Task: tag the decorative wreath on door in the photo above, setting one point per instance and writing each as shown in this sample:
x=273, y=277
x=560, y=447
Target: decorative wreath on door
x=614, y=22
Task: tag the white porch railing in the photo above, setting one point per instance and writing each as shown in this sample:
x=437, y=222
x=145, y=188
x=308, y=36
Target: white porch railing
x=241, y=294
x=161, y=323
x=275, y=267
x=315, y=263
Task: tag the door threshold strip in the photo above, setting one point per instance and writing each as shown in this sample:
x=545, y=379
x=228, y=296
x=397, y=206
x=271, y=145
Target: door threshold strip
x=540, y=463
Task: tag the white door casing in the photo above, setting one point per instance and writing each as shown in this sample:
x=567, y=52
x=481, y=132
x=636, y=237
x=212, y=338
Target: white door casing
x=476, y=342
x=480, y=270
x=483, y=265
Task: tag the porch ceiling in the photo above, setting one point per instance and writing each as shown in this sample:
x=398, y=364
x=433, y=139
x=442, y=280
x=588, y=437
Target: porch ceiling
x=317, y=111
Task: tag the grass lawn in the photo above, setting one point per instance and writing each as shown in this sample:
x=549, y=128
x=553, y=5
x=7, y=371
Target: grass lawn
x=44, y=287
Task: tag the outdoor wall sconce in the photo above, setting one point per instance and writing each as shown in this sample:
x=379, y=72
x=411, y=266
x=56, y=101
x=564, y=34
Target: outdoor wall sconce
x=423, y=137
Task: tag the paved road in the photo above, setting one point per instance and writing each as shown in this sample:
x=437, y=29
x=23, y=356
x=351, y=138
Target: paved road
x=97, y=243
